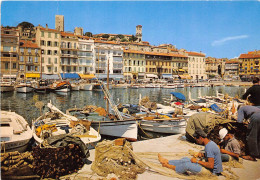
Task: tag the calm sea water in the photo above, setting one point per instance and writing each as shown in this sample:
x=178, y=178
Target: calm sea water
x=24, y=104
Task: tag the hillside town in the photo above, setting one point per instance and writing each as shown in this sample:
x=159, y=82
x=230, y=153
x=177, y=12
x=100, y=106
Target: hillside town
x=29, y=51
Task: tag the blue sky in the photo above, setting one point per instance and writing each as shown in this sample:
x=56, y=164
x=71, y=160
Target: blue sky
x=219, y=29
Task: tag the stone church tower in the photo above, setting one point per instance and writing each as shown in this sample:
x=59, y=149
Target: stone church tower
x=59, y=22
x=139, y=33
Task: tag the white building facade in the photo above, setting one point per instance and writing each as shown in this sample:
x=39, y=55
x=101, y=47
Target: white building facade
x=196, y=65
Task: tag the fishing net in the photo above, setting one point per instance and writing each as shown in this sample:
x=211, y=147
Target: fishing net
x=15, y=163
x=117, y=159
x=145, y=101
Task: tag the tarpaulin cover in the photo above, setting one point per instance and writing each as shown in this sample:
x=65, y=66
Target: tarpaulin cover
x=178, y=95
x=50, y=76
x=69, y=76
x=216, y=108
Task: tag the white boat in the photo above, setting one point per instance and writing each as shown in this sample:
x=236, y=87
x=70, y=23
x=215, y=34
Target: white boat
x=6, y=86
x=62, y=86
x=134, y=86
x=24, y=87
x=15, y=132
x=164, y=126
x=126, y=128
x=170, y=86
x=75, y=87
x=61, y=123
x=86, y=87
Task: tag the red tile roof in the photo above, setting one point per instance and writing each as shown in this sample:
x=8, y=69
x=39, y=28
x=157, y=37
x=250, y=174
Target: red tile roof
x=66, y=34
x=53, y=30
x=249, y=56
x=28, y=44
x=232, y=62
x=165, y=54
x=196, y=54
x=133, y=51
x=105, y=42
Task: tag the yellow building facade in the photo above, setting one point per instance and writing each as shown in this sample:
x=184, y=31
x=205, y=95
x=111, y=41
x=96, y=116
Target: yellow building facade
x=249, y=65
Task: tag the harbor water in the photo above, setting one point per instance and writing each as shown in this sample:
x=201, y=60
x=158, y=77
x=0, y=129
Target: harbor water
x=24, y=104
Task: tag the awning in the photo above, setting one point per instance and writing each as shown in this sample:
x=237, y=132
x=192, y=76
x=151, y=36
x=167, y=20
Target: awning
x=50, y=76
x=167, y=76
x=141, y=74
x=33, y=75
x=182, y=76
x=151, y=76
x=87, y=76
x=181, y=70
x=111, y=76
x=8, y=76
x=179, y=95
x=188, y=77
x=175, y=76
x=69, y=76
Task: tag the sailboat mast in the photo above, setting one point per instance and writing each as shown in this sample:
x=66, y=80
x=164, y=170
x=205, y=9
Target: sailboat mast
x=107, y=83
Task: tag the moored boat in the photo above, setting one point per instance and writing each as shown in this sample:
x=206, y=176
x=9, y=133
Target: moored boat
x=63, y=86
x=24, y=87
x=15, y=132
x=55, y=122
x=108, y=125
x=6, y=86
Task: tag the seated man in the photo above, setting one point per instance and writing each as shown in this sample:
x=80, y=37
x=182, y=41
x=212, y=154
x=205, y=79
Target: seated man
x=230, y=145
x=193, y=165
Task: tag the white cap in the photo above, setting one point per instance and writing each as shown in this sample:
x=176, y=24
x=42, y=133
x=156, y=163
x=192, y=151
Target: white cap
x=222, y=133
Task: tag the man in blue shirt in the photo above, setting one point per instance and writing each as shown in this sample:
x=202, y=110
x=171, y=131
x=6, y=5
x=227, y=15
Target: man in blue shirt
x=212, y=155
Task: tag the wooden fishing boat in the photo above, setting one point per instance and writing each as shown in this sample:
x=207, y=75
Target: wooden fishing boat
x=42, y=87
x=24, y=87
x=6, y=86
x=63, y=86
x=15, y=132
x=56, y=122
x=109, y=126
x=86, y=86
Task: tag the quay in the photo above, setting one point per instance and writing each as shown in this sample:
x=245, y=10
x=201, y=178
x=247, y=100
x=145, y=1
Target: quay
x=172, y=147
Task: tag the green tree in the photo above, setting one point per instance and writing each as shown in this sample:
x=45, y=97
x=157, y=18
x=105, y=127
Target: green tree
x=105, y=36
x=120, y=36
x=25, y=24
x=133, y=38
x=124, y=40
x=113, y=39
x=89, y=34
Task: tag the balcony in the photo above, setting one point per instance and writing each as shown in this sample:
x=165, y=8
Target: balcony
x=8, y=59
x=68, y=48
x=69, y=55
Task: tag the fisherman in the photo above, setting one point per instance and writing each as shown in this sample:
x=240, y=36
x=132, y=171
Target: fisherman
x=212, y=156
x=254, y=92
x=231, y=146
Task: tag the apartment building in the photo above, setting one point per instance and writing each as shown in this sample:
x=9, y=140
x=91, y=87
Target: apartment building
x=232, y=69
x=69, y=53
x=29, y=60
x=134, y=64
x=9, y=52
x=86, y=55
x=180, y=65
x=49, y=42
x=250, y=64
x=108, y=53
x=196, y=65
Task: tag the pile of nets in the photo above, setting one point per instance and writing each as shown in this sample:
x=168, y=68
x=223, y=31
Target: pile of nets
x=15, y=163
x=61, y=155
x=145, y=101
x=111, y=157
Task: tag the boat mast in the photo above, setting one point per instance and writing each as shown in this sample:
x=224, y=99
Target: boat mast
x=107, y=83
